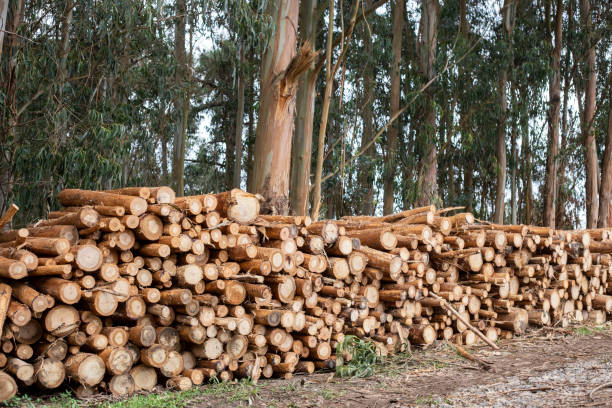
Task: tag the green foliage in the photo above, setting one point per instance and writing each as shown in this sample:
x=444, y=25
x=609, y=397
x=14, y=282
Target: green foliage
x=89, y=98
x=364, y=357
x=237, y=392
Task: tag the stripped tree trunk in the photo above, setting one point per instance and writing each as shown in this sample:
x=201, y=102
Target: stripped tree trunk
x=279, y=80
x=554, y=97
x=394, y=102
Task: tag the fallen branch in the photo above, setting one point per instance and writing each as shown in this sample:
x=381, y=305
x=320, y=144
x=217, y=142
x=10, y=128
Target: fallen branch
x=445, y=305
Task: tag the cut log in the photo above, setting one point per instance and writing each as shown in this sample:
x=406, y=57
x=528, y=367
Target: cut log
x=50, y=373
x=85, y=368
x=133, y=205
x=145, y=378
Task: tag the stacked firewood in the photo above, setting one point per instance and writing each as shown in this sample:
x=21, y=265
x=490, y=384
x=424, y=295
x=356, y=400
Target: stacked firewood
x=123, y=290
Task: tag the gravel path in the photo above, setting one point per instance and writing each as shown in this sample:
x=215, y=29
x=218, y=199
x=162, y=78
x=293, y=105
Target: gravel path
x=567, y=386
x=545, y=368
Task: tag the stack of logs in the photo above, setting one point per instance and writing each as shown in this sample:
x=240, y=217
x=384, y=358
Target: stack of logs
x=125, y=289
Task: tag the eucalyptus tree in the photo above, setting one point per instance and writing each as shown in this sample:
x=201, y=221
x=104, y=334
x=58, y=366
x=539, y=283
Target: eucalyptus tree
x=554, y=97
x=280, y=71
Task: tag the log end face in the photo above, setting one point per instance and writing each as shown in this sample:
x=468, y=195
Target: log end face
x=138, y=206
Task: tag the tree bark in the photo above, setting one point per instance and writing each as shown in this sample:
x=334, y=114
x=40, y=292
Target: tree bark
x=464, y=123
x=250, y=130
x=366, y=175
x=605, y=194
x=561, y=214
x=304, y=120
x=239, y=121
x=428, y=38
x=394, y=105
x=3, y=14
x=513, y=168
x=62, y=72
x=180, y=53
x=526, y=165
x=272, y=158
x=164, y=148
x=10, y=100
x=450, y=168
x=588, y=131
x=329, y=83
x=508, y=18
x=554, y=100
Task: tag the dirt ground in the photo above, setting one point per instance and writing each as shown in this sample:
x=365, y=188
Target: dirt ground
x=545, y=368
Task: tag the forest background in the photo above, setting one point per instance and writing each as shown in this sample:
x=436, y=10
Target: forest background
x=328, y=108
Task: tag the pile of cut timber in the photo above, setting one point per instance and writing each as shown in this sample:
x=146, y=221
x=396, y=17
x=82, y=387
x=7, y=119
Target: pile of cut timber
x=126, y=289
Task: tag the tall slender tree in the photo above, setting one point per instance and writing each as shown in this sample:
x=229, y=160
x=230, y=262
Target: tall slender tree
x=588, y=115
x=301, y=154
x=428, y=38
x=464, y=110
x=239, y=127
x=394, y=106
x=182, y=99
x=554, y=101
x=367, y=173
x=508, y=18
x=605, y=191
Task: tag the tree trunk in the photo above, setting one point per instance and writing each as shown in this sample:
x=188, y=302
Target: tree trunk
x=304, y=119
x=329, y=83
x=468, y=176
x=10, y=100
x=163, y=140
x=561, y=214
x=394, y=105
x=239, y=121
x=508, y=17
x=250, y=130
x=428, y=38
x=554, y=100
x=526, y=165
x=3, y=14
x=605, y=194
x=272, y=159
x=62, y=74
x=180, y=53
x=513, y=168
x=588, y=131
x=366, y=174
x=449, y=120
